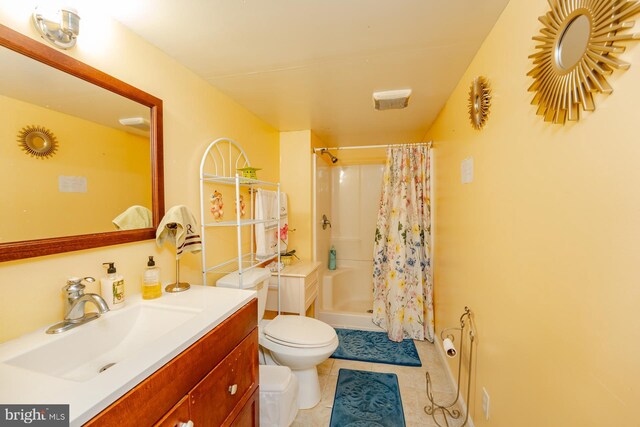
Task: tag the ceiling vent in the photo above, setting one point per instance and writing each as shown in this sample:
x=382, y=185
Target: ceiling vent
x=139, y=123
x=391, y=99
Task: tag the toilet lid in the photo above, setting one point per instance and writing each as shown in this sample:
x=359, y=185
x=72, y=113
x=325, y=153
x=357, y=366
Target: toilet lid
x=299, y=331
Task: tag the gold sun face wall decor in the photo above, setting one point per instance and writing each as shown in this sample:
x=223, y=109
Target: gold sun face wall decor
x=479, y=102
x=579, y=44
x=37, y=141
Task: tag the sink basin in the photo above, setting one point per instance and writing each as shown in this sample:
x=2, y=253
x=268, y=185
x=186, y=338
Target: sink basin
x=88, y=350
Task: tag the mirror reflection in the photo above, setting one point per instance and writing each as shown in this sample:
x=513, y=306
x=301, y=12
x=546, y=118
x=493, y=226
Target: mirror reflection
x=573, y=42
x=98, y=177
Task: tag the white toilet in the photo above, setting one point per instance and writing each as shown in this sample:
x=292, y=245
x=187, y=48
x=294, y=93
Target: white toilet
x=301, y=343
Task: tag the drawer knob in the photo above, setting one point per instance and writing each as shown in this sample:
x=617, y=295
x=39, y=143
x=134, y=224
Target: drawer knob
x=233, y=389
x=187, y=424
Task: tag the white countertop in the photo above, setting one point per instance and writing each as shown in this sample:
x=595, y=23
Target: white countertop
x=88, y=398
x=298, y=269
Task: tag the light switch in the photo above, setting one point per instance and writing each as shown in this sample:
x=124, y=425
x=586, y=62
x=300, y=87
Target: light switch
x=466, y=168
x=72, y=184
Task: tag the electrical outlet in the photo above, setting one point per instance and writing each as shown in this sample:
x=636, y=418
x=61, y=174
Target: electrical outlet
x=485, y=403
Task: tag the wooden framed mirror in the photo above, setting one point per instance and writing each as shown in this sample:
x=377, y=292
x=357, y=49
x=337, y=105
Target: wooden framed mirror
x=75, y=207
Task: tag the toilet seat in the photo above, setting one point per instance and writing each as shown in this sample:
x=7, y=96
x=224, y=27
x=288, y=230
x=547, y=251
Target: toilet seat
x=293, y=345
x=299, y=332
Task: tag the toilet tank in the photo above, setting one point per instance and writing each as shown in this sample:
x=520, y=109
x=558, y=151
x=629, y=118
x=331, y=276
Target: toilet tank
x=256, y=279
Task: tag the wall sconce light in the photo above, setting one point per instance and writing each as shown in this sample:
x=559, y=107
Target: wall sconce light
x=60, y=28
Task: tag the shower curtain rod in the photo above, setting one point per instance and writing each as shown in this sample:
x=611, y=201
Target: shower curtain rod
x=360, y=147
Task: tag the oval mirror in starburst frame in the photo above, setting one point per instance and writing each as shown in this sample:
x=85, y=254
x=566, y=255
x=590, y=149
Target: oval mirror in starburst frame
x=580, y=41
x=479, y=102
x=37, y=141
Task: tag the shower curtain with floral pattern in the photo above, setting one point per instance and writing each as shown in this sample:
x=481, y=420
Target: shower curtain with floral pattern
x=402, y=280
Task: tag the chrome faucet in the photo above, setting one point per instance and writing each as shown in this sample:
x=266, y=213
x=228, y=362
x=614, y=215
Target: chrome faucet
x=75, y=300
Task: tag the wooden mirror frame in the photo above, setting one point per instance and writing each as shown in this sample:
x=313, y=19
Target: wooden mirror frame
x=24, y=45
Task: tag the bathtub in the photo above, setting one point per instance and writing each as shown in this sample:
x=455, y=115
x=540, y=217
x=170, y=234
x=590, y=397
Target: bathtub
x=347, y=295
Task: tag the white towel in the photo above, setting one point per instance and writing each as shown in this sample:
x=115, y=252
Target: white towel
x=267, y=234
x=284, y=223
x=181, y=228
x=284, y=208
x=133, y=218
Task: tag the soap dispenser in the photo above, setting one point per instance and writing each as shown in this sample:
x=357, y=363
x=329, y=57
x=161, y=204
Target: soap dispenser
x=151, y=287
x=112, y=287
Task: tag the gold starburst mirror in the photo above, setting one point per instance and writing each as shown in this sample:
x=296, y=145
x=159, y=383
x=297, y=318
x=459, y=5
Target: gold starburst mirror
x=580, y=42
x=37, y=141
x=479, y=102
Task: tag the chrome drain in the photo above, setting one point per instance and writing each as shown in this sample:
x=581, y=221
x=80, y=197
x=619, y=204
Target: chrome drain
x=105, y=367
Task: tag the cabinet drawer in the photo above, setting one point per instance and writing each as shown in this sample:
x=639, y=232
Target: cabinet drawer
x=179, y=414
x=212, y=400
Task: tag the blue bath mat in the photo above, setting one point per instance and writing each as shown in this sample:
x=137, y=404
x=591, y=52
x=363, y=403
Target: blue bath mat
x=367, y=399
x=370, y=346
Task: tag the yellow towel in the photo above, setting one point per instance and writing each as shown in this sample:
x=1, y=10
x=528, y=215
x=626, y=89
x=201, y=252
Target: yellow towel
x=180, y=227
x=133, y=218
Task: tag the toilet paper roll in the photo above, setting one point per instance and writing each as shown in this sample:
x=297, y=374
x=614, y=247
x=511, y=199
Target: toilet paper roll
x=449, y=349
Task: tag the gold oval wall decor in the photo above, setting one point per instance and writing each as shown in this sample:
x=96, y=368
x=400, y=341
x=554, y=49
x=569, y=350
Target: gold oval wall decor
x=580, y=41
x=37, y=141
x=479, y=102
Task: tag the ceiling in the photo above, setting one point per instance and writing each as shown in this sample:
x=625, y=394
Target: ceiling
x=303, y=64
x=31, y=81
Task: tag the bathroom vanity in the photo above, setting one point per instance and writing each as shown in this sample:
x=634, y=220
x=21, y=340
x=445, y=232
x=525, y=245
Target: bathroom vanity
x=184, y=357
x=212, y=383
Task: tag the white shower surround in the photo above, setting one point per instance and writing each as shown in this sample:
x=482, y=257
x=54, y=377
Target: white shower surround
x=349, y=196
x=343, y=305
x=348, y=288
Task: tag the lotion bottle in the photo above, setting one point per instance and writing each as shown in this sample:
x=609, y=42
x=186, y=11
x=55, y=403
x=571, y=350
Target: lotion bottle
x=151, y=287
x=112, y=287
x=332, y=258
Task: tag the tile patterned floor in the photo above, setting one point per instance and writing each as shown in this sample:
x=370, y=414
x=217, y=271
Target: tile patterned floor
x=412, y=387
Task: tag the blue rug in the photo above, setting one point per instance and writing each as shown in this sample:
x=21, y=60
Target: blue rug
x=367, y=399
x=370, y=346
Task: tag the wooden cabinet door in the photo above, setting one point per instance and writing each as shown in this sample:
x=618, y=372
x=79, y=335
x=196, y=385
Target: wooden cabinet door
x=224, y=391
x=249, y=416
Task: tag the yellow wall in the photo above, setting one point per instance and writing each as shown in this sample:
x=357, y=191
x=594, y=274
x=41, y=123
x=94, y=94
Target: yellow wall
x=363, y=156
x=195, y=114
x=115, y=163
x=295, y=179
x=544, y=244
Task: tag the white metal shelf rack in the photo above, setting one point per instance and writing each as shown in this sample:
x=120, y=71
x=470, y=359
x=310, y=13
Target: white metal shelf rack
x=220, y=161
